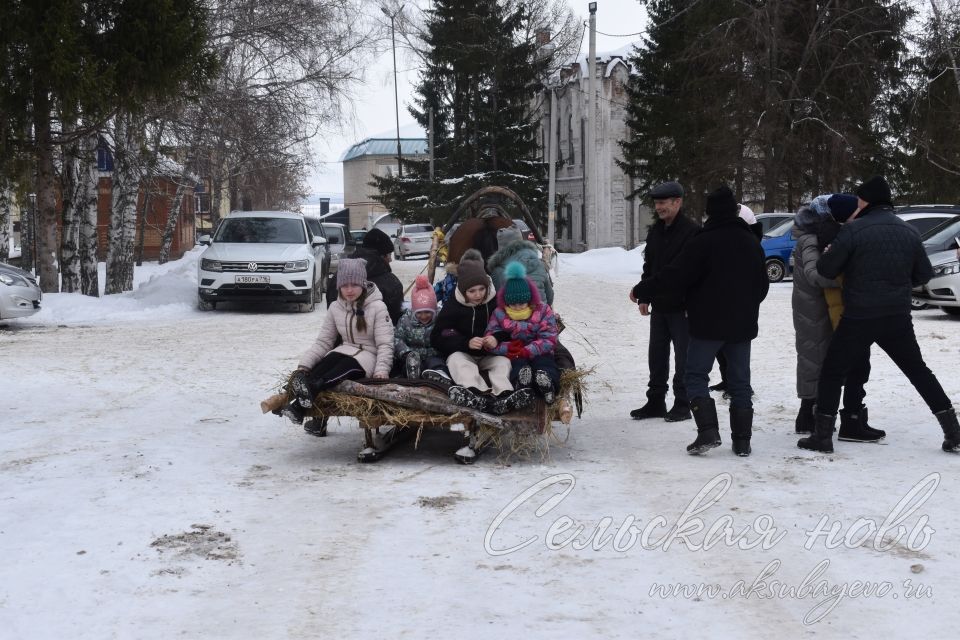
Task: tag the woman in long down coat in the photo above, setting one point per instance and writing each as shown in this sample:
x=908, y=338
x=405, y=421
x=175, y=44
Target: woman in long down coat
x=811, y=320
x=814, y=329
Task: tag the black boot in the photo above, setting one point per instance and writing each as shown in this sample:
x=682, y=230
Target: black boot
x=804, y=422
x=300, y=389
x=412, y=368
x=853, y=427
x=511, y=401
x=545, y=385
x=655, y=408
x=951, y=430
x=879, y=433
x=679, y=412
x=741, y=428
x=708, y=431
x=293, y=412
x=468, y=397
x=822, y=438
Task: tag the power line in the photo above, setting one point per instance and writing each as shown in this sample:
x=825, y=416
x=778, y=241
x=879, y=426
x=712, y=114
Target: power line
x=622, y=35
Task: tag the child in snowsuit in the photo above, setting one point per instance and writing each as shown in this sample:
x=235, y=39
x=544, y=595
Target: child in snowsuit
x=414, y=354
x=459, y=336
x=360, y=318
x=525, y=329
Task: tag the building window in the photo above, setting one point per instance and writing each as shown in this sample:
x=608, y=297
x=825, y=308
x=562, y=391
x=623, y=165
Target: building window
x=568, y=223
x=583, y=222
x=570, y=139
x=583, y=138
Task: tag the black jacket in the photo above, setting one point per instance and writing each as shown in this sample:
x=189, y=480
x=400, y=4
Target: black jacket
x=722, y=275
x=881, y=258
x=380, y=274
x=663, y=245
x=457, y=322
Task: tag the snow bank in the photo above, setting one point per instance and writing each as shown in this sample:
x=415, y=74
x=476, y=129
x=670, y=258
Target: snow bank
x=610, y=261
x=161, y=292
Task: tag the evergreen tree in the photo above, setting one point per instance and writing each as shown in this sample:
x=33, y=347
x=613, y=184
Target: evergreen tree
x=481, y=80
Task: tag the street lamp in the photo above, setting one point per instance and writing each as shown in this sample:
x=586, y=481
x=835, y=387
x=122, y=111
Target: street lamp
x=396, y=99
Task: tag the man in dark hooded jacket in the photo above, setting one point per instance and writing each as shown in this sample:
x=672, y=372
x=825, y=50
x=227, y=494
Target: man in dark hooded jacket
x=377, y=250
x=881, y=258
x=722, y=277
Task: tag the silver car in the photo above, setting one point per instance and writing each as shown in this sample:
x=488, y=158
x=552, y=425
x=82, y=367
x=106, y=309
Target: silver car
x=413, y=239
x=943, y=290
x=19, y=293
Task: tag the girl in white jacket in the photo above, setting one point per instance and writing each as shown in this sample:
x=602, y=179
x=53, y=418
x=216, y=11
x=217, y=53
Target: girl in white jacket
x=360, y=319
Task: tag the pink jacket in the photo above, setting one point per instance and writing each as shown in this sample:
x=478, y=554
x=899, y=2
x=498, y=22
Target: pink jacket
x=373, y=349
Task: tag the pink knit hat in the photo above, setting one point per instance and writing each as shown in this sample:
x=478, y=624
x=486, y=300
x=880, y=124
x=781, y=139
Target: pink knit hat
x=423, y=298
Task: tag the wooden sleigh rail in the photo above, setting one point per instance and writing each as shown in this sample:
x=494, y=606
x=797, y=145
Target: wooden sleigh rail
x=423, y=404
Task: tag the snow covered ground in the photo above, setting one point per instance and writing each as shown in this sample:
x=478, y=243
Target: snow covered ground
x=145, y=496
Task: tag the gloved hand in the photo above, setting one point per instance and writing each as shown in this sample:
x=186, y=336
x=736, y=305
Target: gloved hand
x=517, y=351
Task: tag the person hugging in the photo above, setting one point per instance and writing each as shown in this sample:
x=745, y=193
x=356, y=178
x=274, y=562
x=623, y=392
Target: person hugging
x=415, y=356
x=459, y=335
x=525, y=329
x=360, y=318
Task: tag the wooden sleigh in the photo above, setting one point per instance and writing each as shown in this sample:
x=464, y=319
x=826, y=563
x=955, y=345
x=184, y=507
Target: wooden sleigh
x=389, y=412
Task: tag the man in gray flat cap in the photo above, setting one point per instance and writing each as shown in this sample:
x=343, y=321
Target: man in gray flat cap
x=668, y=318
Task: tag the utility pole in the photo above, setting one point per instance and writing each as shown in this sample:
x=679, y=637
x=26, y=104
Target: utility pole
x=430, y=132
x=590, y=157
x=552, y=159
x=396, y=98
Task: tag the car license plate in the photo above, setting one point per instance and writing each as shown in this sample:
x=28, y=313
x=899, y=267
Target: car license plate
x=252, y=280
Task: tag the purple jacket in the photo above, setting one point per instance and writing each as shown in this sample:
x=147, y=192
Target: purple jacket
x=538, y=333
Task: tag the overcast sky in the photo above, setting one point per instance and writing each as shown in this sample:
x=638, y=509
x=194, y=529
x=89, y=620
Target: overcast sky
x=374, y=104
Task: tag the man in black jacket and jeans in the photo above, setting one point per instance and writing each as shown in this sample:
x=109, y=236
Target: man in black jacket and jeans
x=722, y=277
x=881, y=258
x=668, y=320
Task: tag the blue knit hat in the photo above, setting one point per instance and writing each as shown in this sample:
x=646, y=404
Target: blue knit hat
x=516, y=289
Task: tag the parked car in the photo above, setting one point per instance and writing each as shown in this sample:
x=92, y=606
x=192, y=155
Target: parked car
x=19, y=293
x=777, y=248
x=358, y=235
x=339, y=243
x=261, y=256
x=770, y=221
x=943, y=290
x=942, y=237
x=316, y=228
x=925, y=217
x=413, y=239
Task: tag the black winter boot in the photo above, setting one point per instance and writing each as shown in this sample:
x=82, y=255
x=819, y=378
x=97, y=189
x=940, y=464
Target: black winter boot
x=679, y=412
x=525, y=376
x=511, y=401
x=853, y=427
x=804, y=422
x=468, y=397
x=951, y=430
x=413, y=365
x=708, y=431
x=545, y=385
x=300, y=388
x=655, y=408
x=293, y=412
x=741, y=428
x=822, y=438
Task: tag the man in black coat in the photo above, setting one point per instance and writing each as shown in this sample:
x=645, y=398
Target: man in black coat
x=881, y=258
x=377, y=250
x=668, y=321
x=721, y=274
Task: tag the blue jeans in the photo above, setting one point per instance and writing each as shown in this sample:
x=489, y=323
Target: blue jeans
x=700, y=357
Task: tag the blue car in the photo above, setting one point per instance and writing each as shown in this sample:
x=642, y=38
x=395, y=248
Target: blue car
x=778, y=246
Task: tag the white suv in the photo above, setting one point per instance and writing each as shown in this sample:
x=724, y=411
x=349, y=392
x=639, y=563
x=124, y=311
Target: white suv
x=261, y=256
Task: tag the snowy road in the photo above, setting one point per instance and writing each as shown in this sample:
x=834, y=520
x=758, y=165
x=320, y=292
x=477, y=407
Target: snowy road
x=144, y=496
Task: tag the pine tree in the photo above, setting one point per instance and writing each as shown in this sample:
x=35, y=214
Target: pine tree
x=480, y=81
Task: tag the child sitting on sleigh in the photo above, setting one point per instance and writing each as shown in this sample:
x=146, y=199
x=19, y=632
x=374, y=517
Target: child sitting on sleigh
x=361, y=320
x=415, y=356
x=459, y=336
x=525, y=330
